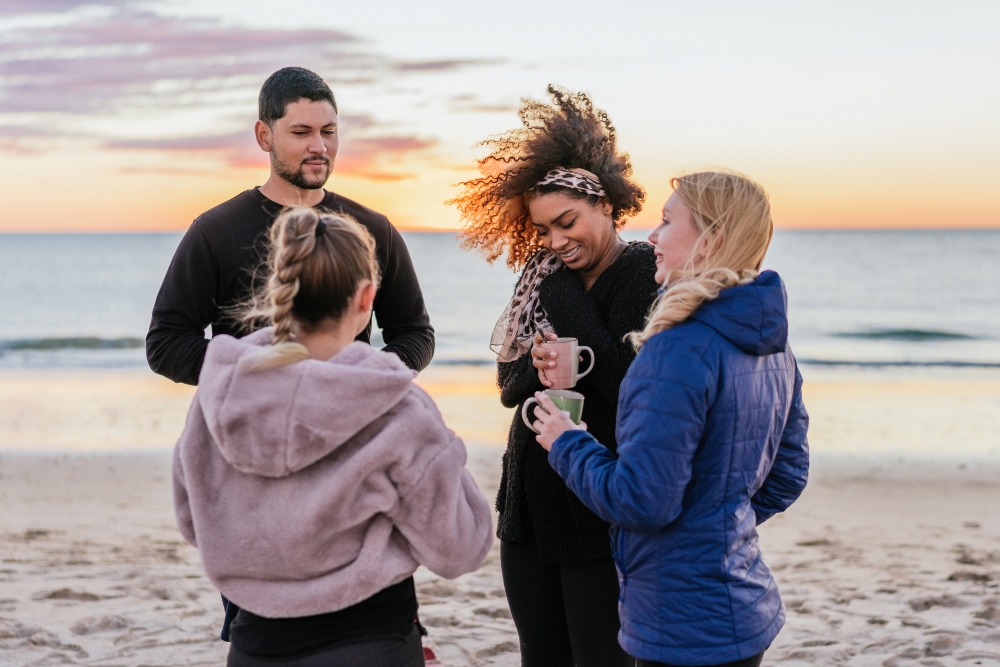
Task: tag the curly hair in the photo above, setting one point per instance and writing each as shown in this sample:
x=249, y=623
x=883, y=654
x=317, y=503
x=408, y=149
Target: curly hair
x=567, y=133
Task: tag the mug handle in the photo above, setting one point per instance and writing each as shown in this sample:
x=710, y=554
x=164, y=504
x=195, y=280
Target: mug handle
x=524, y=413
x=592, y=359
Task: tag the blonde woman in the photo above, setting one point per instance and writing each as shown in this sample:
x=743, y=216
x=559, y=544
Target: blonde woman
x=314, y=476
x=711, y=437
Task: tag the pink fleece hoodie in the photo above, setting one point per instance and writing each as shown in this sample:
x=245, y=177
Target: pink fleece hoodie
x=312, y=486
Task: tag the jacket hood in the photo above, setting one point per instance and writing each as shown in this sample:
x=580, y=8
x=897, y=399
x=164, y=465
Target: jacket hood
x=278, y=421
x=753, y=317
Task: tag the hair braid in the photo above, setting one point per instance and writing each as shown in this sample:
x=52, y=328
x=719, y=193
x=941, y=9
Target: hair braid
x=316, y=262
x=294, y=239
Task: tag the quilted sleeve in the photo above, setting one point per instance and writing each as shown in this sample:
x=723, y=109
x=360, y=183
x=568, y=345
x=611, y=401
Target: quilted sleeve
x=790, y=471
x=661, y=417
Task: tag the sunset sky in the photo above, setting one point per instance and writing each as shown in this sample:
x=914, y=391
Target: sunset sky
x=133, y=115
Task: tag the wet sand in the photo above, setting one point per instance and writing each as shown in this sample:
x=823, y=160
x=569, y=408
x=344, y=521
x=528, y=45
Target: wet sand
x=886, y=560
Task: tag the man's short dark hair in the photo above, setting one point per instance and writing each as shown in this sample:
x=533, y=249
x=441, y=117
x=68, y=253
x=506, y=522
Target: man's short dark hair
x=288, y=85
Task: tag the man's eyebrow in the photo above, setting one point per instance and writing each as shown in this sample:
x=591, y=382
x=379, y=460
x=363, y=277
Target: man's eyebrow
x=308, y=126
x=555, y=219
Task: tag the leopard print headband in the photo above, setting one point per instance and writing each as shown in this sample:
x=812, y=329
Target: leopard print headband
x=574, y=179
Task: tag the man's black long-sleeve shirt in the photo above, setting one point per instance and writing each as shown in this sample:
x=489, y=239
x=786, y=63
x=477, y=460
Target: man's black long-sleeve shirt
x=214, y=266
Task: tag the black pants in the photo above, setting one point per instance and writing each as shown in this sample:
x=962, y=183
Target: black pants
x=389, y=652
x=566, y=614
x=748, y=662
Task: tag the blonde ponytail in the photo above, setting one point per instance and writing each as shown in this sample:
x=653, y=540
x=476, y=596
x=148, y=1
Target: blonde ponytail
x=316, y=262
x=733, y=215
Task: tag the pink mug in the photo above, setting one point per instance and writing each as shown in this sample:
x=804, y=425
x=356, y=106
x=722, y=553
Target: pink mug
x=567, y=371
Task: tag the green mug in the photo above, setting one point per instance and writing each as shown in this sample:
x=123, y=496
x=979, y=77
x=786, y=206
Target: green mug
x=569, y=402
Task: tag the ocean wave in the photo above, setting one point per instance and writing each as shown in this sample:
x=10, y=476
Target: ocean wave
x=899, y=364
x=906, y=335
x=464, y=362
x=73, y=343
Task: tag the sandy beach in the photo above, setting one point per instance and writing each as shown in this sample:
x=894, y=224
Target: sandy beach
x=886, y=560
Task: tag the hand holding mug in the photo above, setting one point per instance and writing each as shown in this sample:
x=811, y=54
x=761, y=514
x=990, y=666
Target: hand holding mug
x=542, y=357
x=551, y=422
x=564, y=353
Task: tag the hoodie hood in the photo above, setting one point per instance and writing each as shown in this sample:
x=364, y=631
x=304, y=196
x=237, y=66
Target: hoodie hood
x=753, y=317
x=278, y=421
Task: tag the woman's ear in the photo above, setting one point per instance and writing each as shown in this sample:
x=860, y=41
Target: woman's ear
x=366, y=296
x=709, y=244
x=605, y=206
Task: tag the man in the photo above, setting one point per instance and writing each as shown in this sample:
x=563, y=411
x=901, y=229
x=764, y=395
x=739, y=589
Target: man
x=213, y=268
x=215, y=264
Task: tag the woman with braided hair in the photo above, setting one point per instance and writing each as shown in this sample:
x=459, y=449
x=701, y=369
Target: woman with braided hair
x=552, y=197
x=314, y=476
x=712, y=437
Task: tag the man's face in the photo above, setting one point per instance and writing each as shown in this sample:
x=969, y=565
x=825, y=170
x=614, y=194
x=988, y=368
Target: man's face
x=303, y=143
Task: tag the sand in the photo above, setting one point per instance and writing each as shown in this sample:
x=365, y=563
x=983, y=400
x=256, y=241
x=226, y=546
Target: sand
x=887, y=559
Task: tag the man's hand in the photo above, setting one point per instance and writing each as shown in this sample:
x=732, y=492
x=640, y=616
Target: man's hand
x=551, y=422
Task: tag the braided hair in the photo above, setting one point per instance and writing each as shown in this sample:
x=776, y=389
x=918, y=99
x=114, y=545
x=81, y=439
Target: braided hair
x=315, y=263
x=568, y=132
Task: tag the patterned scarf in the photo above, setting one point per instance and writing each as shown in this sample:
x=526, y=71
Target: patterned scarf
x=514, y=332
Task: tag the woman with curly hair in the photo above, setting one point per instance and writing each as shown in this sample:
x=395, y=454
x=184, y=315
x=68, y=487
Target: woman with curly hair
x=552, y=197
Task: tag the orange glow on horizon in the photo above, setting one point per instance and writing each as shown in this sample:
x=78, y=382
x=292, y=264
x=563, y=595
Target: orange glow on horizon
x=102, y=195
x=887, y=121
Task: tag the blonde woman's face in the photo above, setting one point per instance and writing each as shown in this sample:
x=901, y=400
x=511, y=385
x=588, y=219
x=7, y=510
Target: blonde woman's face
x=675, y=240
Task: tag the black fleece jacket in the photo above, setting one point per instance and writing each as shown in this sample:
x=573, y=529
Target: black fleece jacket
x=214, y=267
x=535, y=505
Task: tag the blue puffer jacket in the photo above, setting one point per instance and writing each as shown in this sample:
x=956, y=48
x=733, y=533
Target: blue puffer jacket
x=711, y=442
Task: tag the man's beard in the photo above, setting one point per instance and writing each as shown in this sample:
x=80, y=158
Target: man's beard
x=298, y=178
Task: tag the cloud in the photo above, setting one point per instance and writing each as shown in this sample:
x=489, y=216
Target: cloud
x=139, y=60
x=12, y=136
x=441, y=65
x=134, y=58
x=196, y=144
x=468, y=102
x=78, y=77
x=368, y=157
x=374, y=158
x=19, y=131
x=20, y=7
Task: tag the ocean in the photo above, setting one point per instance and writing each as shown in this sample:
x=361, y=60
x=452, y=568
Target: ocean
x=873, y=299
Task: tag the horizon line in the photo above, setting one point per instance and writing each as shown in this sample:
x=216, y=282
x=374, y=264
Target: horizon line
x=445, y=230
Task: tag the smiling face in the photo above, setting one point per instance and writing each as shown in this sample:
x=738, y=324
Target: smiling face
x=579, y=232
x=675, y=240
x=303, y=143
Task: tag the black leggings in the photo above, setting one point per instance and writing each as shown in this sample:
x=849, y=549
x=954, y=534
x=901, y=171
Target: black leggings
x=746, y=662
x=566, y=614
x=388, y=652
